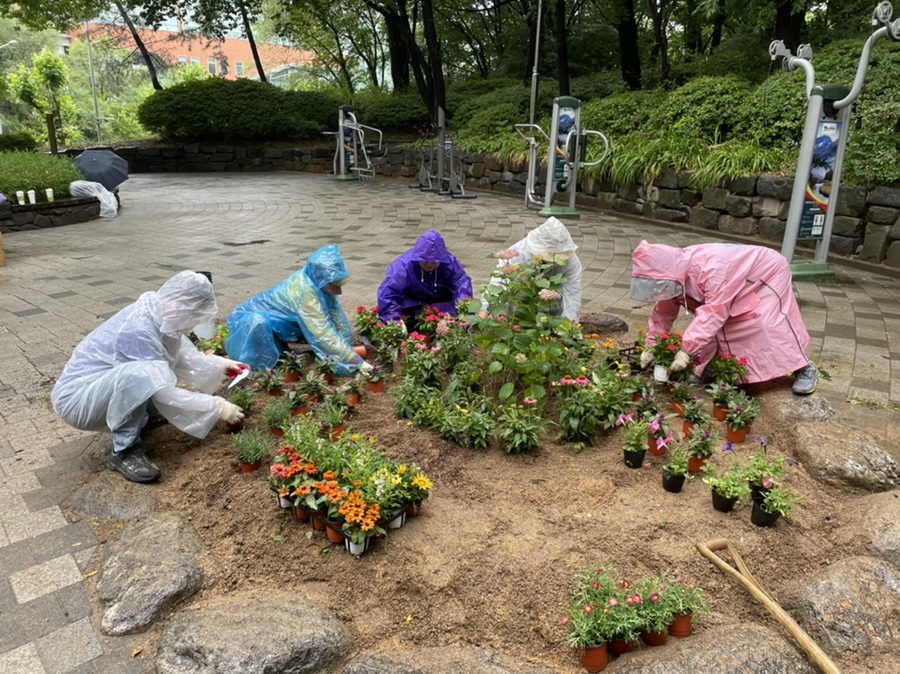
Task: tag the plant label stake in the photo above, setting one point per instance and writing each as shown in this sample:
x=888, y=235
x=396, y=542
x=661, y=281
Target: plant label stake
x=241, y=377
x=743, y=576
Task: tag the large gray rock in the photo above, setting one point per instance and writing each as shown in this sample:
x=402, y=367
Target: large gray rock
x=843, y=456
x=109, y=496
x=252, y=634
x=147, y=569
x=439, y=661
x=742, y=650
x=777, y=402
x=602, y=323
x=852, y=605
x=875, y=518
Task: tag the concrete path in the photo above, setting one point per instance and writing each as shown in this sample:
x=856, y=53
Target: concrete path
x=252, y=231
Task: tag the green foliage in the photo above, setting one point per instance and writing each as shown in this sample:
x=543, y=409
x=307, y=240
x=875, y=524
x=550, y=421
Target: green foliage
x=242, y=396
x=390, y=112
x=467, y=426
x=706, y=108
x=217, y=109
x=486, y=125
x=619, y=115
x=25, y=171
x=702, y=442
x=588, y=624
x=779, y=499
x=277, y=413
x=678, y=459
x=423, y=364
x=511, y=94
x=735, y=159
x=520, y=428
x=217, y=343
x=872, y=152
x=22, y=141
x=742, y=409
x=252, y=444
x=765, y=466
x=731, y=484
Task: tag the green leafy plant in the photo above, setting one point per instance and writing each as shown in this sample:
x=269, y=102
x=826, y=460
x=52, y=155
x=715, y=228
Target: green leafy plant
x=742, y=409
x=678, y=459
x=680, y=391
x=727, y=368
x=765, y=466
x=683, y=597
x=654, y=607
x=702, y=442
x=636, y=432
x=217, y=343
x=270, y=380
x=720, y=393
x=333, y=411
x=588, y=624
x=422, y=362
x=582, y=411
x=292, y=361
x=252, y=445
x=25, y=171
x=695, y=411
x=313, y=385
x=781, y=500
x=664, y=348
x=731, y=484
x=242, y=396
x=521, y=427
x=277, y=413
x=467, y=426
x=366, y=321
x=325, y=366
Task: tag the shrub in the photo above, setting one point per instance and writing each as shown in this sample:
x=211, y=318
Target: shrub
x=402, y=112
x=18, y=142
x=216, y=109
x=707, y=107
x=25, y=171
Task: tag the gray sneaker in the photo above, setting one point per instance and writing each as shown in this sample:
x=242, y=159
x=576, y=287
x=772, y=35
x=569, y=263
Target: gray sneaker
x=133, y=464
x=805, y=380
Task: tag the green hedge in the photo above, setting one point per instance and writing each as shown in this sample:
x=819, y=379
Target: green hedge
x=217, y=109
x=25, y=171
x=18, y=142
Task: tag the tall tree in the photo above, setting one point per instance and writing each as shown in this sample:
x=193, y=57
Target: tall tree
x=626, y=25
x=562, y=47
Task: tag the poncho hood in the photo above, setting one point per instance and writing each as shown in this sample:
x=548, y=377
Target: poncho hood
x=184, y=301
x=430, y=247
x=326, y=266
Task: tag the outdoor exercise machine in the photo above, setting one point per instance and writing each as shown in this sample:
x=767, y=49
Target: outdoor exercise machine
x=566, y=152
x=440, y=171
x=352, y=157
x=822, y=148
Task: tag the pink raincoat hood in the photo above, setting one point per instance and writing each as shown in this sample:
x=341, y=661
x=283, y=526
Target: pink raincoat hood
x=656, y=261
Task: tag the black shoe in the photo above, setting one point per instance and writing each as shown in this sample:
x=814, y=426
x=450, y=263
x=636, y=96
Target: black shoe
x=154, y=423
x=133, y=464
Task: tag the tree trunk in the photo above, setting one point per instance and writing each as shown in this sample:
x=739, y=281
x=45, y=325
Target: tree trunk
x=399, y=54
x=629, y=51
x=154, y=80
x=718, y=24
x=249, y=32
x=562, y=49
x=789, y=25
x=693, y=30
x=433, y=45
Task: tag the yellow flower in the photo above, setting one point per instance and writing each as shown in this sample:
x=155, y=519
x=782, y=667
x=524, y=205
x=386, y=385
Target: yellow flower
x=396, y=479
x=423, y=482
x=401, y=469
x=354, y=437
x=583, y=370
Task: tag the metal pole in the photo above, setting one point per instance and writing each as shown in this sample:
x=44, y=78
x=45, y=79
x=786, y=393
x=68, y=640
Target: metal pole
x=534, y=72
x=87, y=37
x=4, y=46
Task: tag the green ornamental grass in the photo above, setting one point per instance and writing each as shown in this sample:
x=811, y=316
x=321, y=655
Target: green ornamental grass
x=25, y=171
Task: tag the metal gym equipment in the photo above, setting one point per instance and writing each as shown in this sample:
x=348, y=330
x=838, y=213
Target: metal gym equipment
x=439, y=170
x=352, y=160
x=822, y=148
x=566, y=152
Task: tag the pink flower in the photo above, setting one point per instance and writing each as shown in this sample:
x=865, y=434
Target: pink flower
x=654, y=426
x=508, y=254
x=583, y=381
x=768, y=482
x=435, y=349
x=662, y=442
x=508, y=270
x=588, y=609
x=655, y=597
x=464, y=324
x=549, y=295
x=443, y=328
x=613, y=601
x=530, y=401
x=564, y=620
x=420, y=346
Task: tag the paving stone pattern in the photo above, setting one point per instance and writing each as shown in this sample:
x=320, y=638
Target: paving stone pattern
x=251, y=231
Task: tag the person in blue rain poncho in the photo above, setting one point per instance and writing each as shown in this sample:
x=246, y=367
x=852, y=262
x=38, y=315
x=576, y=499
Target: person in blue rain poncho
x=426, y=275
x=305, y=305
x=127, y=370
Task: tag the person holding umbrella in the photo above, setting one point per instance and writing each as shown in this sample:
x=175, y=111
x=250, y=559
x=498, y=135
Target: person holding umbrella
x=105, y=168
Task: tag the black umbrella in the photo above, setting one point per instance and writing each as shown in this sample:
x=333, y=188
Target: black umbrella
x=102, y=166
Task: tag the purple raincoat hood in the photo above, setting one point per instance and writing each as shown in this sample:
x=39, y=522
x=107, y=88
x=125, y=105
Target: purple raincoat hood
x=430, y=247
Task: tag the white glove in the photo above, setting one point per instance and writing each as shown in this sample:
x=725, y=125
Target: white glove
x=366, y=368
x=233, y=368
x=229, y=412
x=646, y=358
x=682, y=360
x=403, y=327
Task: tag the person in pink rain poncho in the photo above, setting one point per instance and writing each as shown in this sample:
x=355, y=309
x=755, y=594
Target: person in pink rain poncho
x=742, y=302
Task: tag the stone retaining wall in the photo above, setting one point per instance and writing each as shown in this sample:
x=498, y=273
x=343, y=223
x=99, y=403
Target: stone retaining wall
x=866, y=224
x=15, y=218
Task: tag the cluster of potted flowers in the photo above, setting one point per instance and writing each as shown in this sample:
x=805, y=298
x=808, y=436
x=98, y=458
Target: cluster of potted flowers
x=347, y=488
x=609, y=614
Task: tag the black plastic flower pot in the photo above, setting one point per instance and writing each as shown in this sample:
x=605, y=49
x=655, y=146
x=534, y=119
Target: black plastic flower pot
x=722, y=504
x=634, y=459
x=761, y=517
x=758, y=492
x=672, y=483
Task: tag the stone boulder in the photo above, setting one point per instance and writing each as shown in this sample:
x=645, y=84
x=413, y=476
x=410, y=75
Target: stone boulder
x=439, y=661
x=252, y=634
x=110, y=496
x=777, y=401
x=875, y=519
x=602, y=323
x=743, y=650
x=842, y=456
x=147, y=569
x=852, y=605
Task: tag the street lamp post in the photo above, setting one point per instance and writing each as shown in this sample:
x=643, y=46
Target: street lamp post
x=2, y=47
x=534, y=72
x=87, y=37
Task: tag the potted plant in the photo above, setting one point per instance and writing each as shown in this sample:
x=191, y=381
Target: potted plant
x=664, y=348
x=286, y=465
x=325, y=367
x=375, y=379
x=243, y=397
x=763, y=469
x=636, y=430
x=333, y=414
x=719, y=394
x=681, y=393
x=675, y=472
x=685, y=601
x=660, y=434
x=313, y=386
x=728, y=488
x=778, y=501
x=622, y=613
x=590, y=627
x=367, y=321
x=727, y=368
x=418, y=486
x=742, y=410
x=351, y=390
x=271, y=382
x=293, y=364
x=654, y=610
x=252, y=446
x=700, y=447
x=360, y=522
x=694, y=414
x=277, y=415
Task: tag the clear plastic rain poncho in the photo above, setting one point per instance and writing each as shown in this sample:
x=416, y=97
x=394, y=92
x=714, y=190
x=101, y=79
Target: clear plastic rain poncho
x=139, y=355
x=296, y=306
x=407, y=287
x=548, y=239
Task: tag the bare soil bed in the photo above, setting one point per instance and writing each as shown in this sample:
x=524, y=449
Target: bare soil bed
x=490, y=560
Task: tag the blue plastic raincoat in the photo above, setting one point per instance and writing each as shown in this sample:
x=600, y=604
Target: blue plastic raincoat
x=298, y=306
x=407, y=288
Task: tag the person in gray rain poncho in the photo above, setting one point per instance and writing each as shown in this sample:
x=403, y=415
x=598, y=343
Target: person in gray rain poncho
x=550, y=241
x=128, y=368
x=307, y=305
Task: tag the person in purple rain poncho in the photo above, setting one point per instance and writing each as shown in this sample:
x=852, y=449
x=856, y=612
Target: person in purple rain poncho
x=742, y=301
x=426, y=275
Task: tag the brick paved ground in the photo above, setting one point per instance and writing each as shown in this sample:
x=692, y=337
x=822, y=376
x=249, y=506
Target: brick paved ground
x=252, y=231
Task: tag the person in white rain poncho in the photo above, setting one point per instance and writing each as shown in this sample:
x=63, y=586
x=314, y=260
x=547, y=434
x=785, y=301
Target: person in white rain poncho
x=129, y=367
x=549, y=241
